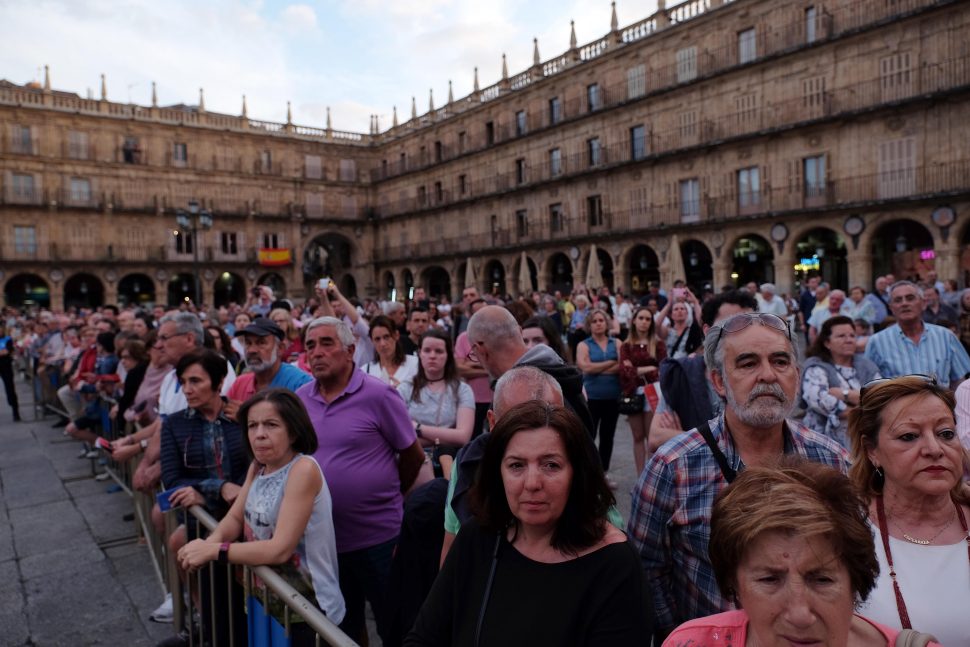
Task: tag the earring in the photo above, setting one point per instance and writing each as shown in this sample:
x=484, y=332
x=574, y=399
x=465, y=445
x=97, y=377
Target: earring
x=879, y=472
x=878, y=478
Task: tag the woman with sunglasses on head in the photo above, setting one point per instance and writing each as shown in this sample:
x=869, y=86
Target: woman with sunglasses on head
x=832, y=375
x=909, y=463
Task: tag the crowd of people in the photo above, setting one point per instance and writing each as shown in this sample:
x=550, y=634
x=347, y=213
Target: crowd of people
x=802, y=461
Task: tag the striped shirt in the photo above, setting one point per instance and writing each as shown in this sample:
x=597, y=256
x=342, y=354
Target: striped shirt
x=938, y=353
x=670, y=517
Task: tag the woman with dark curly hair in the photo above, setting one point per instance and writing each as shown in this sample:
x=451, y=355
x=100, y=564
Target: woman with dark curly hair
x=540, y=564
x=791, y=544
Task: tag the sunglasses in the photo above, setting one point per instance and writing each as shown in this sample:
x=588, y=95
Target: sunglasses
x=928, y=379
x=742, y=321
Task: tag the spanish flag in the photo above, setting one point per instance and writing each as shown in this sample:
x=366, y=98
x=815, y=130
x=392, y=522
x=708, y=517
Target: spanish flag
x=274, y=257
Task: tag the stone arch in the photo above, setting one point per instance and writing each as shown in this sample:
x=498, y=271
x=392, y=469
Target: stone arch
x=698, y=265
x=83, y=290
x=274, y=280
x=903, y=247
x=229, y=288
x=181, y=288
x=533, y=277
x=643, y=266
x=436, y=281
x=559, y=269
x=407, y=284
x=752, y=259
x=26, y=290
x=388, y=290
x=606, y=267
x=823, y=249
x=136, y=288
x=330, y=255
x=494, y=279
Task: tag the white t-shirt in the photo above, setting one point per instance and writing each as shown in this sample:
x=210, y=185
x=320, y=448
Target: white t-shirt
x=405, y=372
x=171, y=398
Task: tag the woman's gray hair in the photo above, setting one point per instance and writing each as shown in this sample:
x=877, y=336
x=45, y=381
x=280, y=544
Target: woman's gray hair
x=344, y=334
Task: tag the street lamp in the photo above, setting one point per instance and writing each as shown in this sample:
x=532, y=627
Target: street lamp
x=192, y=221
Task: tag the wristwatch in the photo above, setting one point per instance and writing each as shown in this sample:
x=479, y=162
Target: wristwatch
x=224, y=552
x=417, y=429
x=144, y=443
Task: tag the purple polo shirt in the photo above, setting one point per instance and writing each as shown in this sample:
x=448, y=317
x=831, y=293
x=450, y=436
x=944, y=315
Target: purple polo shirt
x=360, y=434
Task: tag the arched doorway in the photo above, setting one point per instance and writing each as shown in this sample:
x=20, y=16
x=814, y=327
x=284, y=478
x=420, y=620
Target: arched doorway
x=229, y=288
x=136, y=289
x=26, y=291
x=605, y=261
x=904, y=248
x=964, y=278
x=83, y=291
x=390, y=293
x=752, y=260
x=495, y=278
x=643, y=266
x=437, y=281
x=698, y=266
x=348, y=286
x=525, y=284
x=328, y=255
x=824, y=250
x=276, y=282
x=181, y=289
x=560, y=274
x=407, y=278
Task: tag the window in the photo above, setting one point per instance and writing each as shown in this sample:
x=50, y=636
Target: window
x=814, y=174
x=314, y=205
x=811, y=18
x=747, y=46
x=422, y=196
x=229, y=243
x=24, y=240
x=686, y=64
x=131, y=151
x=636, y=81
x=746, y=107
x=271, y=241
x=687, y=124
x=462, y=184
x=690, y=200
x=21, y=140
x=383, y=168
x=439, y=193
x=594, y=210
x=555, y=111
x=594, y=151
x=639, y=202
x=520, y=123
x=522, y=223
x=489, y=133
x=23, y=187
x=77, y=145
x=895, y=77
x=80, y=190
x=593, y=97
x=313, y=167
x=348, y=170
x=439, y=152
x=348, y=206
x=520, y=171
x=813, y=94
x=461, y=141
x=749, y=187
x=183, y=242
x=403, y=163
x=423, y=155
x=557, y=222
x=180, y=154
x=897, y=168
x=638, y=142
x=555, y=162
x=266, y=162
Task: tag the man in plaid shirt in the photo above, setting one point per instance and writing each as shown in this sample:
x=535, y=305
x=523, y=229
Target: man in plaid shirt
x=753, y=367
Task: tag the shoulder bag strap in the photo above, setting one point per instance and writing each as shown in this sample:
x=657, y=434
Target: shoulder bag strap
x=912, y=638
x=729, y=472
x=677, y=343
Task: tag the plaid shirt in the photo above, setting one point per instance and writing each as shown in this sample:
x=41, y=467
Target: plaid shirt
x=670, y=518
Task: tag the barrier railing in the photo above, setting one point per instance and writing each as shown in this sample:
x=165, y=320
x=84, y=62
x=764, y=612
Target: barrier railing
x=224, y=615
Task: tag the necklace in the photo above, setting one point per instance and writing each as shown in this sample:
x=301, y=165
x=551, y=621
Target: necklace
x=917, y=540
x=884, y=533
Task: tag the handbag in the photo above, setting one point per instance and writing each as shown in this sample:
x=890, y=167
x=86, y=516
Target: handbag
x=632, y=404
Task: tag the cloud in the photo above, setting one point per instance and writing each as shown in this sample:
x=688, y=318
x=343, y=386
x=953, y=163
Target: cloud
x=299, y=17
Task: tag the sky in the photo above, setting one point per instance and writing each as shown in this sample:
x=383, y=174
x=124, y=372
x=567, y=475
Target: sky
x=360, y=57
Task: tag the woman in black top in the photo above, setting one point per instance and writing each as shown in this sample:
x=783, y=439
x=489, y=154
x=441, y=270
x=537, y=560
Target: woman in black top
x=540, y=564
x=6, y=371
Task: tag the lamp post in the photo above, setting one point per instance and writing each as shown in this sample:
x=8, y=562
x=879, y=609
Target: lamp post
x=192, y=221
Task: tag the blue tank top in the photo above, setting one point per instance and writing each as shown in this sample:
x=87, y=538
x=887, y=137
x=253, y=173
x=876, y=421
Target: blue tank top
x=599, y=386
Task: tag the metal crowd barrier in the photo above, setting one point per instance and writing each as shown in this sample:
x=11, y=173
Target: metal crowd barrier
x=232, y=615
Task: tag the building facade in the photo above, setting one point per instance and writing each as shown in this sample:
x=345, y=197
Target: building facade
x=720, y=142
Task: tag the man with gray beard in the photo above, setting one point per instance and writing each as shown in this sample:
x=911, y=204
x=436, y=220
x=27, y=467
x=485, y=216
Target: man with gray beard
x=262, y=340
x=752, y=363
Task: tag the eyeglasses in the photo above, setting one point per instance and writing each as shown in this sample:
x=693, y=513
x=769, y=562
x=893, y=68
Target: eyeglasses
x=928, y=379
x=742, y=321
x=164, y=338
x=473, y=354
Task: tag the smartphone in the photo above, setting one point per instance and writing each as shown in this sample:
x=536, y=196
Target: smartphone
x=102, y=444
x=162, y=497
x=323, y=284
x=679, y=293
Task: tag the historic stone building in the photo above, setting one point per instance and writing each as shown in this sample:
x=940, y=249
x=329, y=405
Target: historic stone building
x=719, y=142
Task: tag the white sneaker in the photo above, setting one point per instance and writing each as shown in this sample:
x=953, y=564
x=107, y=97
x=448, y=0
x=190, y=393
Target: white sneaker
x=103, y=476
x=164, y=613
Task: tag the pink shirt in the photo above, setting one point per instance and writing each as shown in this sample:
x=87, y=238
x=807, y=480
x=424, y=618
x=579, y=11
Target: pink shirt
x=480, y=385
